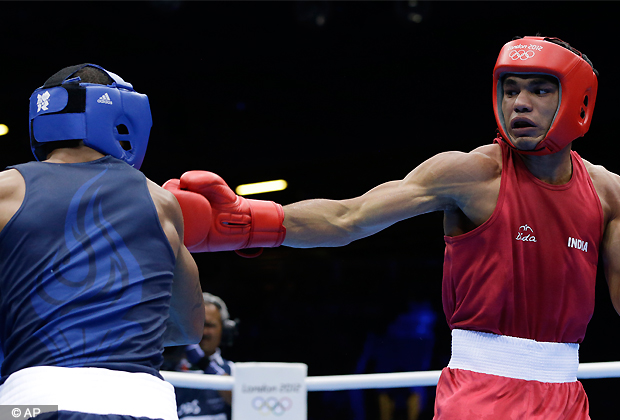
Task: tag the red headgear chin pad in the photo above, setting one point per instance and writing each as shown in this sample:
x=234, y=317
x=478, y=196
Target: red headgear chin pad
x=578, y=87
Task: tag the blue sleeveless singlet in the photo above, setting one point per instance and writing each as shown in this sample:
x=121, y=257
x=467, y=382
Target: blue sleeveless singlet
x=85, y=270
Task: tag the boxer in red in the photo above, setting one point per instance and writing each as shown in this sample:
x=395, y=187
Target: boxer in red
x=525, y=219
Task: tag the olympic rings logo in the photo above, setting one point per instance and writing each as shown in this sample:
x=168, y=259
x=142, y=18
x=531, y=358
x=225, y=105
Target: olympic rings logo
x=272, y=405
x=521, y=54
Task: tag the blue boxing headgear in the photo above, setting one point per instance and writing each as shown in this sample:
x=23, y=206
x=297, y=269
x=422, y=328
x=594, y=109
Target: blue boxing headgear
x=102, y=116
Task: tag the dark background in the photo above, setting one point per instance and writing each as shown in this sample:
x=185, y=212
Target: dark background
x=334, y=97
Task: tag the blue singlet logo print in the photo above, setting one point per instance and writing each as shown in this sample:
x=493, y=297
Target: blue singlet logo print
x=84, y=295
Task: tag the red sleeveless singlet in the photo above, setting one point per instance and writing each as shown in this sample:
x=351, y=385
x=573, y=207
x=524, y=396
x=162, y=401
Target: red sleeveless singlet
x=530, y=270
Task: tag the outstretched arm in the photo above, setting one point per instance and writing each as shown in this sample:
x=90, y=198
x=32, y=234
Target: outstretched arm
x=436, y=184
x=219, y=220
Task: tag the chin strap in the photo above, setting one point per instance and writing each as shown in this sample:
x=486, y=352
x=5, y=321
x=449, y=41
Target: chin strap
x=499, y=138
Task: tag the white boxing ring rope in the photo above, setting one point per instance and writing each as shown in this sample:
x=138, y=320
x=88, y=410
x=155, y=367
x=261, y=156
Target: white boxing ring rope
x=367, y=381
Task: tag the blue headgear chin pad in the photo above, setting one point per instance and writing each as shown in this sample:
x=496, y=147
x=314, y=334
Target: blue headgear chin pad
x=100, y=115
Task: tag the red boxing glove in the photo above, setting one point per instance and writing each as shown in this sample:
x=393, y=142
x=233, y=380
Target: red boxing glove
x=236, y=222
x=197, y=213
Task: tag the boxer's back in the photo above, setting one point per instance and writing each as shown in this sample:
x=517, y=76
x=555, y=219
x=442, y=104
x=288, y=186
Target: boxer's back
x=87, y=270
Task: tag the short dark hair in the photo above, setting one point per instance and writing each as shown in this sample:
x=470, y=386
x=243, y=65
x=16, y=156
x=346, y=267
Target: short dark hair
x=90, y=74
x=87, y=73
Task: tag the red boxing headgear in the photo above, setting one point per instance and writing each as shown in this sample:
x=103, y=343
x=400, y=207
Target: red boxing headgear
x=578, y=86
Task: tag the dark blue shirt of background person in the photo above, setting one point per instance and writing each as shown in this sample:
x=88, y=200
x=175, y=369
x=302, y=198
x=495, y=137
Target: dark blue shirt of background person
x=205, y=357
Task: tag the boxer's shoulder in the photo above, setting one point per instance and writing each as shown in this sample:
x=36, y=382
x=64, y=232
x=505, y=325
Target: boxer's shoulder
x=12, y=193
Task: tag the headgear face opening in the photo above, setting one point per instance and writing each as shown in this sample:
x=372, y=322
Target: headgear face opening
x=102, y=116
x=578, y=87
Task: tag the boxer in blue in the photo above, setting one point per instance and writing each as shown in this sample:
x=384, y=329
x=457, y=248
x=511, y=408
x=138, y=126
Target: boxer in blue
x=94, y=277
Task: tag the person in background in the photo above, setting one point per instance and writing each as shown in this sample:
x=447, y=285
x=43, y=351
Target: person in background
x=206, y=357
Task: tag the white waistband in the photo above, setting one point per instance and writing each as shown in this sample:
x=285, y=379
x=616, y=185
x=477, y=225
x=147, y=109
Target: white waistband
x=513, y=357
x=91, y=390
